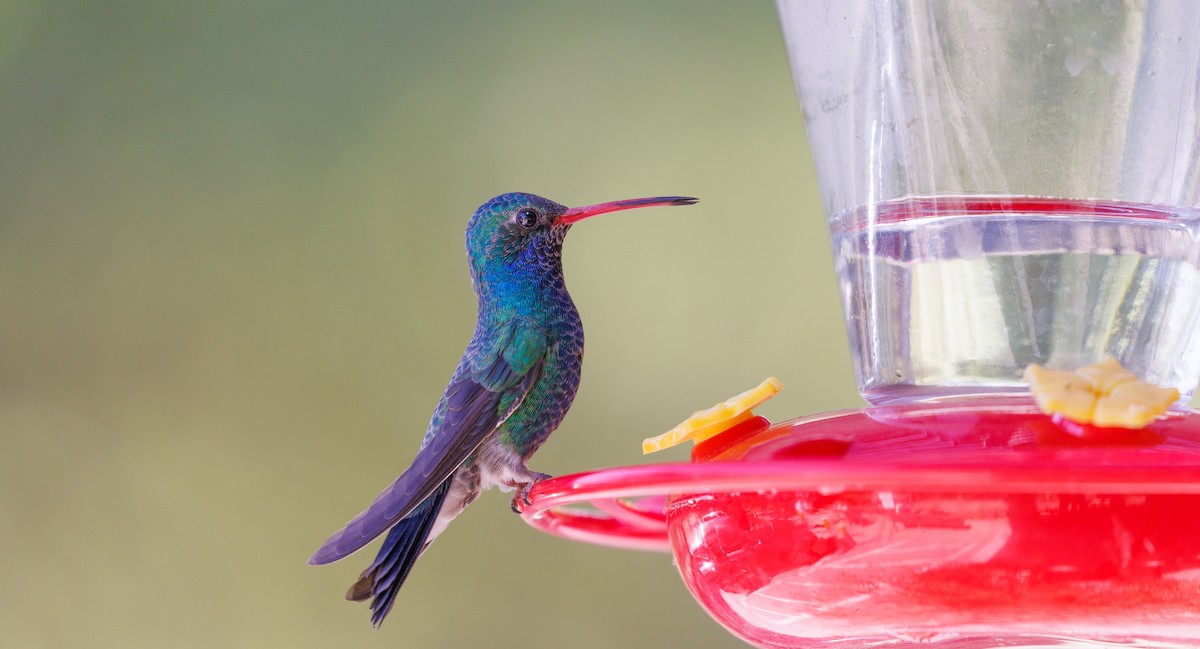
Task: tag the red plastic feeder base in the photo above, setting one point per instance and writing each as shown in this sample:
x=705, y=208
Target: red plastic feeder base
x=981, y=524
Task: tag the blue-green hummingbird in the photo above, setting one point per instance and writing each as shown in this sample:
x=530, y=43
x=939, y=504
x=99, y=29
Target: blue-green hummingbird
x=510, y=391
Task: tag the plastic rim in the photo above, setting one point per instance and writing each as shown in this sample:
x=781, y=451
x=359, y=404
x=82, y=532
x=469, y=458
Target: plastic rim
x=627, y=504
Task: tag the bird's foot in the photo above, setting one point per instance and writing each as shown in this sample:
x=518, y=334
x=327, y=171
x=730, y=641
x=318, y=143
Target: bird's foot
x=521, y=499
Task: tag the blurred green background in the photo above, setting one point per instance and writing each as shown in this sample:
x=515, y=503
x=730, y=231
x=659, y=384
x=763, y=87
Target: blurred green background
x=232, y=287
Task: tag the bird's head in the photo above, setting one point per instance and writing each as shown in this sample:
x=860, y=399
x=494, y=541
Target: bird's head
x=520, y=236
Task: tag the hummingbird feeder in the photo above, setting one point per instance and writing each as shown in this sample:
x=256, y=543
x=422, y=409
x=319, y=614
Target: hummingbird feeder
x=1013, y=199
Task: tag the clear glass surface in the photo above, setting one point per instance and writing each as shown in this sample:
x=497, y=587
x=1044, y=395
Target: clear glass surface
x=957, y=295
x=921, y=113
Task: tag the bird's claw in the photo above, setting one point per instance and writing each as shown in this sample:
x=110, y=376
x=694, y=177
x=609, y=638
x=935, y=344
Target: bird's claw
x=521, y=499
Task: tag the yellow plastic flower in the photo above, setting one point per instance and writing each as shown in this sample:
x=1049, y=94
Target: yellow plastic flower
x=717, y=419
x=1104, y=394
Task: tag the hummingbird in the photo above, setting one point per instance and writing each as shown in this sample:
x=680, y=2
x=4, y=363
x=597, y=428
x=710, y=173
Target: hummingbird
x=510, y=391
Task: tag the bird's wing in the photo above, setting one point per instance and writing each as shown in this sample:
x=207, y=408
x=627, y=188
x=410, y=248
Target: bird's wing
x=481, y=396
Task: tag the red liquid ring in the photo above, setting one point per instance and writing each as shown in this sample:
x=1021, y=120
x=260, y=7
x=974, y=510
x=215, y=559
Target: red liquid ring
x=963, y=525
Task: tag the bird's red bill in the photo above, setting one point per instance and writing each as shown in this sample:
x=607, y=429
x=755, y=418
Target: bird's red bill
x=579, y=213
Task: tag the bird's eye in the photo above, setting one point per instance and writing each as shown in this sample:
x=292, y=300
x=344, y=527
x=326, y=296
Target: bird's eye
x=527, y=218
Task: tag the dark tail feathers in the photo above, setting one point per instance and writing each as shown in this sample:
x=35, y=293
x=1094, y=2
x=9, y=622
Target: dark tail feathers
x=404, y=543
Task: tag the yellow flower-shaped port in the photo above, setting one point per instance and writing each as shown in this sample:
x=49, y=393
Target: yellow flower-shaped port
x=706, y=423
x=1104, y=394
